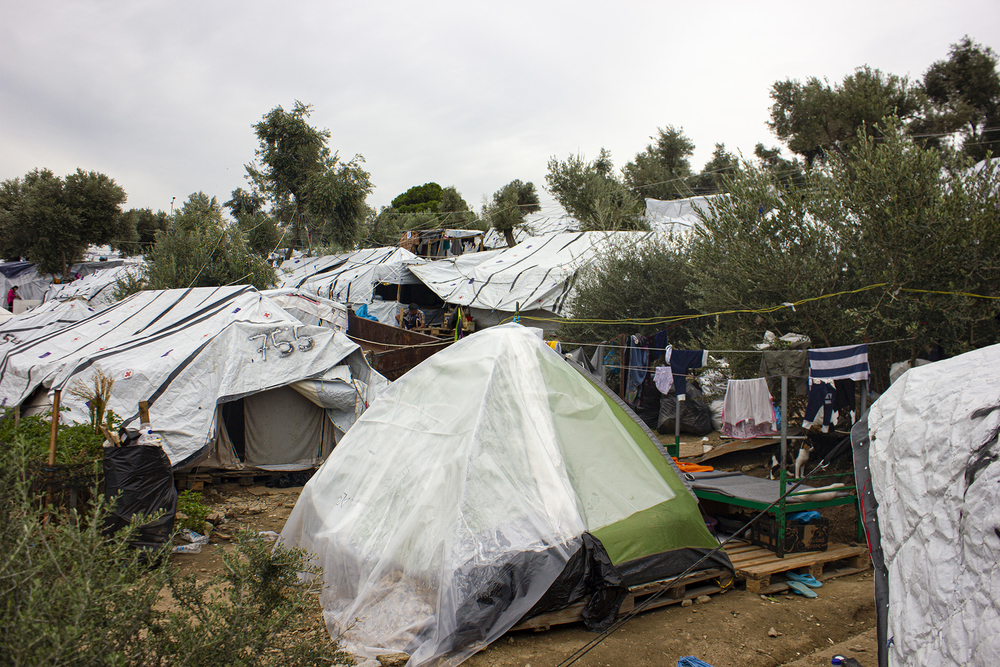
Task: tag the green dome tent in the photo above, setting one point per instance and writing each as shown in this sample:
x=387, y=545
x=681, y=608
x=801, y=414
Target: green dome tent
x=491, y=482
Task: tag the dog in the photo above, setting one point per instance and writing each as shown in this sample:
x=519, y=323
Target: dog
x=799, y=462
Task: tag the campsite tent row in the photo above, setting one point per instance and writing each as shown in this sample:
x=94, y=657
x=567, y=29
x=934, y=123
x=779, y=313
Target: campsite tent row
x=291, y=389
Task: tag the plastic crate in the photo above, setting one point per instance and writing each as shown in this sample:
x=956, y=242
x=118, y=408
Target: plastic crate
x=799, y=537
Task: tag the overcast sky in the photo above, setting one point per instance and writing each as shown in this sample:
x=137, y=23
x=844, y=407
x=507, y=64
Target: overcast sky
x=161, y=96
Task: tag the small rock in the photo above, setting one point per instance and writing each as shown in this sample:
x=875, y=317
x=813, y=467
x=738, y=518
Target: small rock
x=687, y=603
x=392, y=659
x=510, y=640
x=703, y=599
x=215, y=518
x=773, y=633
x=180, y=516
x=690, y=620
x=748, y=468
x=859, y=649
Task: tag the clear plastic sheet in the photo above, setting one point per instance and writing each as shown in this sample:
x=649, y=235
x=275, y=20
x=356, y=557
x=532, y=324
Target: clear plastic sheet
x=459, y=497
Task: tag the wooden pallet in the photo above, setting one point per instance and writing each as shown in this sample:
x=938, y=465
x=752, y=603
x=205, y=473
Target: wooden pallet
x=666, y=592
x=757, y=565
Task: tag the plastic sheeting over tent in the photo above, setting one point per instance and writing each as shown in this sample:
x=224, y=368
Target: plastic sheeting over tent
x=187, y=351
x=535, y=275
x=351, y=279
x=310, y=309
x=41, y=321
x=679, y=215
x=934, y=460
x=478, y=489
x=97, y=288
x=535, y=224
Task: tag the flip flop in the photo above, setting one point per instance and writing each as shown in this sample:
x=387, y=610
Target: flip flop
x=806, y=579
x=802, y=589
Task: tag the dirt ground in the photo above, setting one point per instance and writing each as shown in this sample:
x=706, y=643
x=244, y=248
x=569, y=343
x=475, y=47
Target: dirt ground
x=735, y=629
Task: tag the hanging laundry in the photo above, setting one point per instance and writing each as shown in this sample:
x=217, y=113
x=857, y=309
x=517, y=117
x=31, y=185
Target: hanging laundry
x=681, y=361
x=663, y=378
x=847, y=362
x=793, y=363
x=638, y=360
x=748, y=410
x=828, y=402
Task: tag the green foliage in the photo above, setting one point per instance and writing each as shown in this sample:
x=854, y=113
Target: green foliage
x=662, y=170
x=51, y=220
x=146, y=224
x=75, y=443
x=190, y=504
x=323, y=196
x=510, y=205
x=455, y=212
x=816, y=119
x=631, y=282
x=590, y=193
x=713, y=175
x=424, y=198
x=262, y=230
x=199, y=249
x=73, y=596
x=890, y=217
x=964, y=95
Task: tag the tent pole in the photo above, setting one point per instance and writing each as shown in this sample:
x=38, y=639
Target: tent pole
x=780, y=515
x=864, y=399
x=676, y=450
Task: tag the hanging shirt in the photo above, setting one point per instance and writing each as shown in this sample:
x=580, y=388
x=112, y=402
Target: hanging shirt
x=847, y=362
x=681, y=361
x=663, y=378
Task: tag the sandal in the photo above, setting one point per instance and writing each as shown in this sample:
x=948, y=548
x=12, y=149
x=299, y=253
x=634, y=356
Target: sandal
x=806, y=579
x=802, y=589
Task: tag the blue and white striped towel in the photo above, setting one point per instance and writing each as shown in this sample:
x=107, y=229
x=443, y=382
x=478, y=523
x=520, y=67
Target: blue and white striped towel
x=847, y=362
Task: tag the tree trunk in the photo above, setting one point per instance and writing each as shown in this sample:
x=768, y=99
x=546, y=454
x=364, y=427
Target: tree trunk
x=509, y=235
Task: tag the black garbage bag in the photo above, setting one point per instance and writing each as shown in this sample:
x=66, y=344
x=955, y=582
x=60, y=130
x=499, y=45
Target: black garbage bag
x=696, y=417
x=140, y=481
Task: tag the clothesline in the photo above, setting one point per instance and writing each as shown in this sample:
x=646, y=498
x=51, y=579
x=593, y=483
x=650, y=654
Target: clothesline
x=613, y=346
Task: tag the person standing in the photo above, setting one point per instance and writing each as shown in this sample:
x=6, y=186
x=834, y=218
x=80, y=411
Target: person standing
x=11, y=295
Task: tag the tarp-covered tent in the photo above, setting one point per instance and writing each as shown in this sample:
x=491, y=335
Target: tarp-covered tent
x=351, y=278
x=40, y=321
x=677, y=215
x=934, y=463
x=475, y=483
x=309, y=308
x=535, y=225
x=187, y=352
x=96, y=288
x=536, y=276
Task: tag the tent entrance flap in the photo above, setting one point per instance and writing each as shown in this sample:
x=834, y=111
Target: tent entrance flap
x=281, y=429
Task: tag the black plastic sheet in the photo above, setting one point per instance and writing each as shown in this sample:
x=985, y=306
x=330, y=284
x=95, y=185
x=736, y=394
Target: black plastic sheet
x=140, y=481
x=696, y=417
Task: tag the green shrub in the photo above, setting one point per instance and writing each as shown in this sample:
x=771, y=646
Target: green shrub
x=69, y=595
x=75, y=443
x=190, y=504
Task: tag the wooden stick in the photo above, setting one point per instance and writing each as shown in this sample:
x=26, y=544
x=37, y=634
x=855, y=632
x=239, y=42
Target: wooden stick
x=112, y=438
x=144, y=412
x=55, y=428
x=52, y=451
x=17, y=417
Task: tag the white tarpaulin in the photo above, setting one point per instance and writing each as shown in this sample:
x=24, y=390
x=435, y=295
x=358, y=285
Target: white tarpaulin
x=96, y=288
x=185, y=352
x=351, y=279
x=491, y=457
x=679, y=215
x=534, y=225
x=40, y=321
x=535, y=275
x=309, y=308
x=935, y=472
